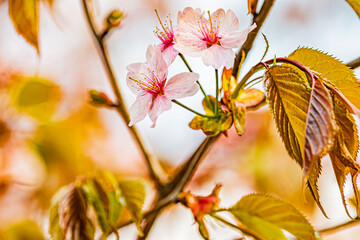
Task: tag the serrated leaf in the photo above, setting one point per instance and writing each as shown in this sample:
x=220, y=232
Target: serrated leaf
x=303, y=116
x=320, y=126
x=330, y=69
x=267, y=216
x=133, y=193
x=355, y=4
x=72, y=215
x=24, y=15
x=304, y=119
x=344, y=154
x=288, y=95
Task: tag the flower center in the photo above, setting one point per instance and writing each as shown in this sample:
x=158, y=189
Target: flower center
x=5, y=133
x=210, y=31
x=166, y=35
x=151, y=84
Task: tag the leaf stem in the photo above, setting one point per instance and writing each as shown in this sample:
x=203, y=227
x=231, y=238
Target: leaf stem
x=217, y=93
x=190, y=70
x=192, y=110
x=155, y=170
x=340, y=227
x=242, y=229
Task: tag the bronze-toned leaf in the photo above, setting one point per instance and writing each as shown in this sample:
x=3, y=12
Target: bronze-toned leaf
x=238, y=111
x=304, y=118
x=332, y=70
x=267, y=216
x=24, y=15
x=320, y=126
x=212, y=126
x=72, y=215
x=345, y=151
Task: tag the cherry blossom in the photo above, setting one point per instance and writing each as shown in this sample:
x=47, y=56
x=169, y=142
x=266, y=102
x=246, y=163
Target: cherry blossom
x=154, y=93
x=166, y=36
x=211, y=39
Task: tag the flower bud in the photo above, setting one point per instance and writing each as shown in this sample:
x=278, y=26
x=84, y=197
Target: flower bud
x=100, y=99
x=114, y=18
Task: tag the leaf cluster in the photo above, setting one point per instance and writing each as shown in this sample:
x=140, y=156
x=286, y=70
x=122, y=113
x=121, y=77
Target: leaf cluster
x=111, y=201
x=313, y=114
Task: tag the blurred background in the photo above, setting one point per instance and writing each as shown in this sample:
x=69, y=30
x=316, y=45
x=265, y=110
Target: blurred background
x=49, y=133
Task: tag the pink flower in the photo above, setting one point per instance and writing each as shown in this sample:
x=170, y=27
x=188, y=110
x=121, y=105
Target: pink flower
x=212, y=39
x=148, y=81
x=167, y=40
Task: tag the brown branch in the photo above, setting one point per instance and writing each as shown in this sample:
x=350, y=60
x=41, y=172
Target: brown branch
x=354, y=63
x=259, y=19
x=337, y=228
x=155, y=170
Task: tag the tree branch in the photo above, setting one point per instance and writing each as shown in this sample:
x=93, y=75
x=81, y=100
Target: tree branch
x=259, y=19
x=337, y=228
x=155, y=170
x=354, y=63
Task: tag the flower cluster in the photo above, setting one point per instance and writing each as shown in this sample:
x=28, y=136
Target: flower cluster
x=198, y=34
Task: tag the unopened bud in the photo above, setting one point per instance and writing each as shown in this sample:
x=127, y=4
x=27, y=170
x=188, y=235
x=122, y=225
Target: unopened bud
x=100, y=99
x=114, y=18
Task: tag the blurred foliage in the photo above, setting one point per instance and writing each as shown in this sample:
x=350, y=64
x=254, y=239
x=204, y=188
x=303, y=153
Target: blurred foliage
x=26, y=230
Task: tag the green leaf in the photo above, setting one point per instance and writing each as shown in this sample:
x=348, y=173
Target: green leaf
x=72, y=210
x=267, y=216
x=330, y=69
x=355, y=4
x=133, y=193
x=24, y=15
x=103, y=194
x=97, y=198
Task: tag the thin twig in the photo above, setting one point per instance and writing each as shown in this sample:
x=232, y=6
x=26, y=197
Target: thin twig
x=354, y=63
x=155, y=170
x=338, y=228
x=259, y=19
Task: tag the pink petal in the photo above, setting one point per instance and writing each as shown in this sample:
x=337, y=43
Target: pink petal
x=140, y=108
x=188, y=21
x=218, y=56
x=189, y=44
x=135, y=71
x=217, y=17
x=236, y=39
x=160, y=105
x=181, y=85
x=229, y=23
x=156, y=62
x=169, y=53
